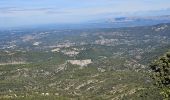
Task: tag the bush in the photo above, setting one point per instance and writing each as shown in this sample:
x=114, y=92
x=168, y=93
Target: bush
x=161, y=74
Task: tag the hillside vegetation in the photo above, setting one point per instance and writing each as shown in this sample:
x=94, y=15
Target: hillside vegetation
x=85, y=64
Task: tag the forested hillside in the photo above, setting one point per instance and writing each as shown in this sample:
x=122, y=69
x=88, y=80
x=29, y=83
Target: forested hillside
x=108, y=63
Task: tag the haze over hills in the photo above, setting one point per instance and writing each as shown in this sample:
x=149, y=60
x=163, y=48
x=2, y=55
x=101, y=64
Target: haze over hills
x=105, y=23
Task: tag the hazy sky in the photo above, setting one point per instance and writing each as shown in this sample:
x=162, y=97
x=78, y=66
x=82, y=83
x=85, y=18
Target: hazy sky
x=30, y=12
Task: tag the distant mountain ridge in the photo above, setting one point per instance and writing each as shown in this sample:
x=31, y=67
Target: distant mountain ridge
x=132, y=21
x=116, y=22
x=127, y=19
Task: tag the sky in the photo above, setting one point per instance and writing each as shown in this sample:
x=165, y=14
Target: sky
x=15, y=13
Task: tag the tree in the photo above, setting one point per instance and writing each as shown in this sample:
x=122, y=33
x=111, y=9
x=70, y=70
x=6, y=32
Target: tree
x=161, y=74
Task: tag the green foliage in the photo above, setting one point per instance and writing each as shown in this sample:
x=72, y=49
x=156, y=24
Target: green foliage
x=161, y=69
